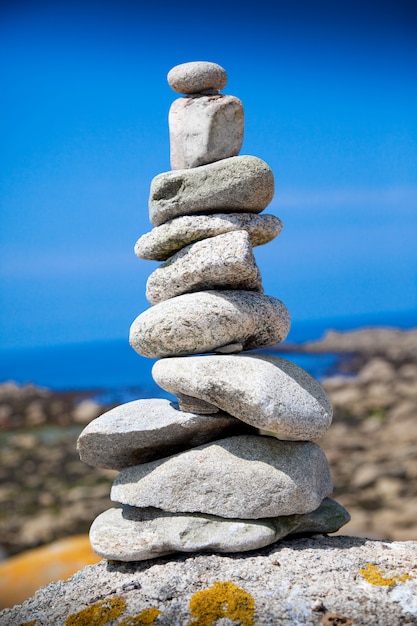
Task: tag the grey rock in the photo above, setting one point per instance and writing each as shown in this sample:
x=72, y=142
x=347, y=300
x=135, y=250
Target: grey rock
x=204, y=129
x=238, y=184
x=207, y=320
x=197, y=76
x=263, y=390
x=144, y=430
x=163, y=241
x=247, y=476
x=132, y=534
x=299, y=581
x=225, y=261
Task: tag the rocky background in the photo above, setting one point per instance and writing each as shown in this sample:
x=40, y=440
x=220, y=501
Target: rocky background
x=47, y=493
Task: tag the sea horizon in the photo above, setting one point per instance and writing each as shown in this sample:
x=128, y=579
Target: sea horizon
x=114, y=372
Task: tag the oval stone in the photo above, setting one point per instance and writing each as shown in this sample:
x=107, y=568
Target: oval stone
x=197, y=77
x=262, y=390
x=163, y=241
x=247, y=476
x=238, y=184
x=201, y=322
x=143, y=430
x=225, y=261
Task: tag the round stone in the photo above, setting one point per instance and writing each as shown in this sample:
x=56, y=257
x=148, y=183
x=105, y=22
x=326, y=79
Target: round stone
x=197, y=77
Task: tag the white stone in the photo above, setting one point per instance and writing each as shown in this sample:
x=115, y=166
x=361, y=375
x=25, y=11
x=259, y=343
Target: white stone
x=144, y=430
x=238, y=184
x=263, y=390
x=163, y=241
x=204, y=321
x=204, y=129
x=222, y=262
x=197, y=76
x=131, y=534
x=246, y=476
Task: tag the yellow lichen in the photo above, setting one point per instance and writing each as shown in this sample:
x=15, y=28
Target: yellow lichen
x=97, y=614
x=146, y=617
x=32, y=623
x=223, y=599
x=373, y=576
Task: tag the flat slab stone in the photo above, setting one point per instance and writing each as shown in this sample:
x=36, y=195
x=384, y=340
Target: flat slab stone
x=201, y=322
x=225, y=261
x=131, y=534
x=144, y=430
x=263, y=390
x=204, y=129
x=163, y=241
x=247, y=476
x=237, y=184
x=197, y=76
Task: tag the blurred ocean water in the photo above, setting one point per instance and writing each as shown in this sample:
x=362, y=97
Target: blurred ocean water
x=117, y=374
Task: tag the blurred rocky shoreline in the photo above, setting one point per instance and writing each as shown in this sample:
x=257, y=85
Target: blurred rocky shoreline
x=47, y=493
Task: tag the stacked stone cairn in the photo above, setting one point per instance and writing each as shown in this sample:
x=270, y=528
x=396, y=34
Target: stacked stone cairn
x=233, y=465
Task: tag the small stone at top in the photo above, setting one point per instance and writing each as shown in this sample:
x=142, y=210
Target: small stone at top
x=197, y=77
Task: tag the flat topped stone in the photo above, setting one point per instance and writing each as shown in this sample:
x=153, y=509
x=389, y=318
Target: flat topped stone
x=204, y=129
x=238, y=184
x=163, y=241
x=197, y=77
x=144, y=430
x=247, y=476
x=126, y=533
x=263, y=390
x=204, y=321
x=222, y=262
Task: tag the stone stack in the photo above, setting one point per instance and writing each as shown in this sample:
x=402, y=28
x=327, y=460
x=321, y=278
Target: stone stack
x=233, y=466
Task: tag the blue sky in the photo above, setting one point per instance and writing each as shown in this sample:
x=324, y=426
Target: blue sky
x=330, y=97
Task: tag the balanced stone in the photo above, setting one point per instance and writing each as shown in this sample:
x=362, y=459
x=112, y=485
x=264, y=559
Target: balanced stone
x=126, y=533
x=163, y=241
x=197, y=76
x=222, y=262
x=203, y=129
x=237, y=184
x=143, y=430
x=246, y=476
x=204, y=321
x=263, y=390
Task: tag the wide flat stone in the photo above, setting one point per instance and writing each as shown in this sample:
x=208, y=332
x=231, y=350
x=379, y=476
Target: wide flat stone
x=263, y=390
x=237, y=184
x=247, y=476
x=143, y=430
x=204, y=129
x=201, y=322
x=197, y=76
x=163, y=241
x=222, y=262
x=131, y=534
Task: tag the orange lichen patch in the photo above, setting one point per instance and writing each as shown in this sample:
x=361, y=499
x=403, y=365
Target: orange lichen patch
x=32, y=623
x=373, y=576
x=223, y=599
x=22, y=575
x=146, y=617
x=98, y=614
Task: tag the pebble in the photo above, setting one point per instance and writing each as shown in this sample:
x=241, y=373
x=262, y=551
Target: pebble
x=206, y=320
x=221, y=262
x=125, y=533
x=204, y=129
x=197, y=76
x=237, y=184
x=263, y=390
x=246, y=476
x=163, y=241
x=144, y=430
